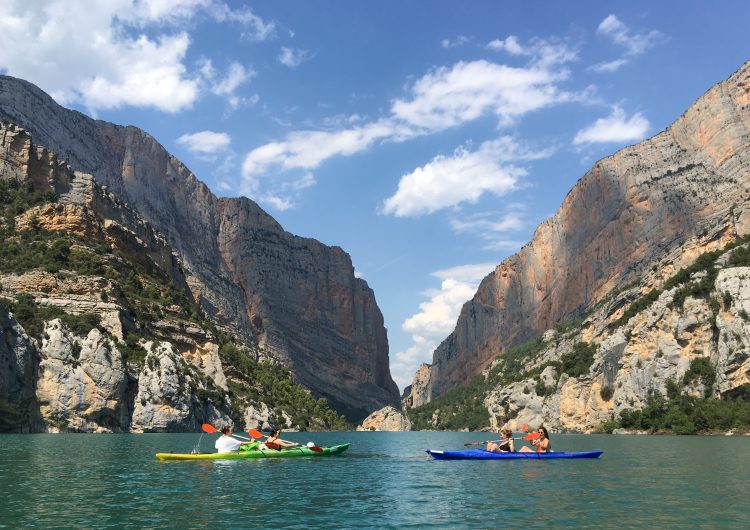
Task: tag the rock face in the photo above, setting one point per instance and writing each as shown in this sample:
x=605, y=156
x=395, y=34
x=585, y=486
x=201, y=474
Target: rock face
x=417, y=393
x=296, y=298
x=655, y=347
x=82, y=383
x=386, y=419
x=165, y=401
x=620, y=220
x=19, y=371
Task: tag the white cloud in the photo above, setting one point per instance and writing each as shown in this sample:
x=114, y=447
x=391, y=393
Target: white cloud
x=236, y=75
x=611, y=66
x=472, y=273
x=280, y=203
x=293, y=58
x=615, y=128
x=463, y=177
x=307, y=149
x=544, y=53
x=165, y=11
x=455, y=43
x=505, y=245
x=508, y=222
x=205, y=141
x=257, y=30
x=633, y=43
x=223, y=185
x=509, y=45
x=109, y=54
x=444, y=98
x=404, y=363
x=447, y=97
x=437, y=317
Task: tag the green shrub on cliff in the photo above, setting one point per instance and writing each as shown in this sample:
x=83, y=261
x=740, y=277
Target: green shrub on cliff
x=272, y=384
x=32, y=316
x=17, y=197
x=740, y=256
x=579, y=360
x=681, y=413
x=460, y=408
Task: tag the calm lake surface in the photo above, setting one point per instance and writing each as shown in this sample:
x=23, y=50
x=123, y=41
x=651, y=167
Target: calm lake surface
x=385, y=480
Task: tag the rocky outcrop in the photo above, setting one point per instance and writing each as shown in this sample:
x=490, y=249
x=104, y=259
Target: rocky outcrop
x=165, y=399
x=19, y=369
x=386, y=419
x=85, y=384
x=417, y=393
x=687, y=184
x=295, y=297
x=82, y=383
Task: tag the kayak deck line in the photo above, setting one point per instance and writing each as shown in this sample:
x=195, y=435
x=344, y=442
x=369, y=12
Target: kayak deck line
x=294, y=452
x=483, y=454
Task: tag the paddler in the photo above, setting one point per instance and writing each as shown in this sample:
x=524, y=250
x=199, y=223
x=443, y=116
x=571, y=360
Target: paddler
x=542, y=443
x=274, y=442
x=226, y=443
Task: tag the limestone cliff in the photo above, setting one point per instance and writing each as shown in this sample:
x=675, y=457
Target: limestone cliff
x=294, y=297
x=683, y=191
x=654, y=350
x=386, y=419
x=97, y=331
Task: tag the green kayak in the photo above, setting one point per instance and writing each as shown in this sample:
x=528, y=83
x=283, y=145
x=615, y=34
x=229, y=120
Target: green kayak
x=292, y=452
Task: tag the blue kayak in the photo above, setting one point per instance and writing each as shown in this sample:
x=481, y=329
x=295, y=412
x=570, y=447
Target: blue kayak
x=481, y=454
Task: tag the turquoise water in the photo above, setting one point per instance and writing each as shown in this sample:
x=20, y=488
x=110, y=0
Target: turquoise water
x=385, y=480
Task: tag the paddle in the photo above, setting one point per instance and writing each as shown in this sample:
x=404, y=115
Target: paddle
x=528, y=437
x=207, y=427
x=255, y=433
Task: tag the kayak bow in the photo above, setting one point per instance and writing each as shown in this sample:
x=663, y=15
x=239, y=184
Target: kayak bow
x=292, y=452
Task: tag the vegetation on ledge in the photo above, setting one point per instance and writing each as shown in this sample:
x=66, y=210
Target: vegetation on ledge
x=680, y=413
x=272, y=383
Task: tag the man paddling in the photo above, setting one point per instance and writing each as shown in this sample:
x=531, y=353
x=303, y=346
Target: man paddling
x=226, y=443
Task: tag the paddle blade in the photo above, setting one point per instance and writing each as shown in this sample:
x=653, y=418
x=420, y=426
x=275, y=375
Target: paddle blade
x=525, y=427
x=255, y=433
x=315, y=449
x=532, y=436
x=473, y=443
x=207, y=427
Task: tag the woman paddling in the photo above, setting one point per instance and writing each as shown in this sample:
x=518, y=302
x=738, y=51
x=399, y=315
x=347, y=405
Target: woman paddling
x=505, y=445
x=542, y=443
x=274, y=442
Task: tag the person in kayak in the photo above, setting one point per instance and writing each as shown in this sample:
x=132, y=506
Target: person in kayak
x=274, y=442
x=542, y=443
x=226, y=444
x=505, y=445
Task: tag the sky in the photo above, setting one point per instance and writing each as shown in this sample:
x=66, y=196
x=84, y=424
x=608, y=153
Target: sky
x=428, y=139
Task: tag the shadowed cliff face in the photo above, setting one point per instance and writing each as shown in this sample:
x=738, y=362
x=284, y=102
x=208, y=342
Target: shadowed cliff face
x=296, y=297
x=620, y=218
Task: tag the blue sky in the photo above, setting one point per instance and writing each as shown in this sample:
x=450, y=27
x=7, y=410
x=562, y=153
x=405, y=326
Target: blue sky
x=427, y=139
